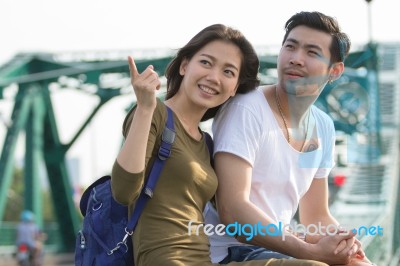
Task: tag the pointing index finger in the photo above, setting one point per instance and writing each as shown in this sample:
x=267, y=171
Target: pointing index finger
x=132, y=67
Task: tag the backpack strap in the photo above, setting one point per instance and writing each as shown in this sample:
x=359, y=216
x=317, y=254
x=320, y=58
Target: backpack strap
x=167, y=139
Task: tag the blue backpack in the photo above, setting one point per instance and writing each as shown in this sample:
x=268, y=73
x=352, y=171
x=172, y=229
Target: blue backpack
x=105, y=237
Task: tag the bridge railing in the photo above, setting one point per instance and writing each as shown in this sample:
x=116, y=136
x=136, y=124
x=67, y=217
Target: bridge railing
x=368, y=201
x=8, y=236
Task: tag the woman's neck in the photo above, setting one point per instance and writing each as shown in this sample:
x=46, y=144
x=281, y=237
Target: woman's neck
x=188, y=115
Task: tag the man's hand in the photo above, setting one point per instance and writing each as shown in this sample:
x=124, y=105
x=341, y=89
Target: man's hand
x=326, y=249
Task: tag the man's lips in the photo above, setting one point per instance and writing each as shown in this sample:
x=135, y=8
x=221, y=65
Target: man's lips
x=295, y=74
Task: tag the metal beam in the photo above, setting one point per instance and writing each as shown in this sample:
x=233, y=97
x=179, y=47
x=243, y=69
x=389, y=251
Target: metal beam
x=34, y=156
x=18, y=119
x=61, y=190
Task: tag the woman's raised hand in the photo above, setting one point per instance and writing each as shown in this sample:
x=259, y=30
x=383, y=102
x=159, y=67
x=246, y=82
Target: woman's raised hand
x=144, y=84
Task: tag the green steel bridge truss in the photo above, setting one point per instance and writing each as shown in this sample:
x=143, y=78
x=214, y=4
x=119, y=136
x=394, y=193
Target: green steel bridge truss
x=34, y=73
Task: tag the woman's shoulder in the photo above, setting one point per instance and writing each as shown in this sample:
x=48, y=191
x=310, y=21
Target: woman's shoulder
x=159, y=116
x=160, y=113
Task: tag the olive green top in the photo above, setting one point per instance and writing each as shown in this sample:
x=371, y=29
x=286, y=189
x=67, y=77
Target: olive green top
x=186, y=183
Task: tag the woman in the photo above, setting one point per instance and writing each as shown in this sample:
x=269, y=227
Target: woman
x=210, y=68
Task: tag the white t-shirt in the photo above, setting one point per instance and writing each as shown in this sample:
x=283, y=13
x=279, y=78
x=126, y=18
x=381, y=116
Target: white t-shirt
x=246, y=127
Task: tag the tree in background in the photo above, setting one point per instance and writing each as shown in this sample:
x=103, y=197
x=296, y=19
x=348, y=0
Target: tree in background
x=15, y=200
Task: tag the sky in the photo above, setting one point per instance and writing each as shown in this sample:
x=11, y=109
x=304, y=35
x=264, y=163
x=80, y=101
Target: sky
x=46, y=25
x=99, y=25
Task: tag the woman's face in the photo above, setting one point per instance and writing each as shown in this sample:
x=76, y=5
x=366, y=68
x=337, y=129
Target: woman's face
x=211, y=76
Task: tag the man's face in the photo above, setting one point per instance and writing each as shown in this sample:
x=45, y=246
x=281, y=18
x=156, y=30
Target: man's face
x=303, y=62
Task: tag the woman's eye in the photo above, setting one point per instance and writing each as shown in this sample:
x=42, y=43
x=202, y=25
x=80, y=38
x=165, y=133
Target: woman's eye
x=205, y=62
x=230, y=72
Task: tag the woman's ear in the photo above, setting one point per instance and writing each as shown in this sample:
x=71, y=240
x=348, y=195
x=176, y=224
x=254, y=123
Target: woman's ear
x=235, y=90
x=182, y=68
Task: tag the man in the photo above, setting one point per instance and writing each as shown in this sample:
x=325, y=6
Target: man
x=273, y=153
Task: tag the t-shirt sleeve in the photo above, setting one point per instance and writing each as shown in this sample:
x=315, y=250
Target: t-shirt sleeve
x=328, y=141
x=237, y=130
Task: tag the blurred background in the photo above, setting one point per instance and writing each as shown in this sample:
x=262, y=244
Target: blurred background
x=64, y=92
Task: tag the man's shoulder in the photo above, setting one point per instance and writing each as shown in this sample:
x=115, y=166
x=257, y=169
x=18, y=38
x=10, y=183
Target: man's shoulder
x=321, y=114
x=253, y=102
x=323, y=119
x=250, y=96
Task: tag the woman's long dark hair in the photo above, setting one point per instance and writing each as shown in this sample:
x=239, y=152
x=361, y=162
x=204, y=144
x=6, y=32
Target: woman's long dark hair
x=248, y=76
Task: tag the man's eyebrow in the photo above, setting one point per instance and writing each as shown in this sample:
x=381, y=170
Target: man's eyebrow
x=292, y=40
x=313, y=46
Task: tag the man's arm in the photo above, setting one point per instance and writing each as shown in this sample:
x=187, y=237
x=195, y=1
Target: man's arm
x=233, y=203
x=314, y=209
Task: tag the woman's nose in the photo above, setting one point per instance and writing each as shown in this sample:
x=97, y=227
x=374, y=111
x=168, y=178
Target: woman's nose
x=214, y=76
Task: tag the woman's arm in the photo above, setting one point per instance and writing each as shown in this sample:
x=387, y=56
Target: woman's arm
x=129, y=168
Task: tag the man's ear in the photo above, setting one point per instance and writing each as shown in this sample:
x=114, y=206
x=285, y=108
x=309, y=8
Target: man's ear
x=182, y=68
x=336, y=71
